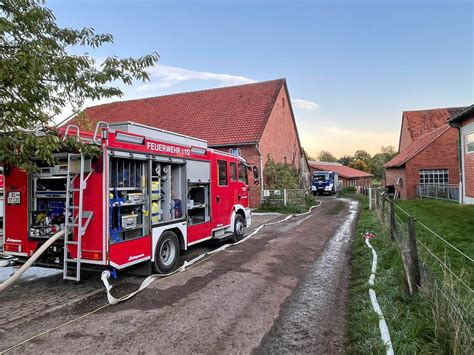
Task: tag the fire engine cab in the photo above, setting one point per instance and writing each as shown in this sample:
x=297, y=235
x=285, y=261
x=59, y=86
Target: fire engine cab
x=148, y=196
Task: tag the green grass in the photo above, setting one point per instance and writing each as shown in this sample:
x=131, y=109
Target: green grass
x=453, y=222
x=408, y=317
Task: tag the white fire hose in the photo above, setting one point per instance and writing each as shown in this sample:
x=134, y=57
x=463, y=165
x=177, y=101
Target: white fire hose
x=31, y=260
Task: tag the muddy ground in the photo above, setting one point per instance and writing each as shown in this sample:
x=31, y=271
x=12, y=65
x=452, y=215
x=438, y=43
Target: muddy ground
x=282, y=291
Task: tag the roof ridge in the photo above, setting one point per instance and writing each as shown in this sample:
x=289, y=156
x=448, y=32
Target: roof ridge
x=435, y=109
x=189, y=92
x=442, y=129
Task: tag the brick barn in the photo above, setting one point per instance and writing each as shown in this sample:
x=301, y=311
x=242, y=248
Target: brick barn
x=427, y=153
x=464, y=122
x=347, y=175
x=253, y=120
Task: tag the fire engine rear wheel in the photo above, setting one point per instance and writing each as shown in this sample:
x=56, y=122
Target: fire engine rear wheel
x=239, y=228
x=166, y=253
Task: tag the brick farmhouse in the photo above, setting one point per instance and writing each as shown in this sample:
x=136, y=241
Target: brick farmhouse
x=347, y=175
x=256, y=120
x=427, y=153
x=464, y=122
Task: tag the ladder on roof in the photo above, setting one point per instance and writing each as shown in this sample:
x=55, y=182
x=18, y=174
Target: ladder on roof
x=76, y=218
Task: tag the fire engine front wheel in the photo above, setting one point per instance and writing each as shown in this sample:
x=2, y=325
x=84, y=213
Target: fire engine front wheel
x=166, y=253
x=239, y=228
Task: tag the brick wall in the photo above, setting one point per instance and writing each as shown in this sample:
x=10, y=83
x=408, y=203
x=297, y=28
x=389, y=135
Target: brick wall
x=440, y=154
x=280, y=138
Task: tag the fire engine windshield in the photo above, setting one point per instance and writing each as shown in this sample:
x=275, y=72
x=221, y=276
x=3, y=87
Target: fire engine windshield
x=321, y=177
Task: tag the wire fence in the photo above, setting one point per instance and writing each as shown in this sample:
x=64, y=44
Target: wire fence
x=285, y=197
x=438, y=191
x=433, y=265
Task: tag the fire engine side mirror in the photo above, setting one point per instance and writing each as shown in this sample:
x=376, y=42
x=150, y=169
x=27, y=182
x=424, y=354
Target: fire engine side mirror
x=256, y=175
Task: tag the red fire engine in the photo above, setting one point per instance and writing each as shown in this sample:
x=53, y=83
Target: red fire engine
x=151, y=194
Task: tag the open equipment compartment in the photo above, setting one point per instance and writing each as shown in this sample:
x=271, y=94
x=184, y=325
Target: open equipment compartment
x=48, y=203
x=198, y=192
x=167, y=191
x=128, y=201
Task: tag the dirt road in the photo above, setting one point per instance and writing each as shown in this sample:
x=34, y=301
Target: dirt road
x=281, y=291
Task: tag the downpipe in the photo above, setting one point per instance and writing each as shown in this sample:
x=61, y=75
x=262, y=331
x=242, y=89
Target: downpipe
x=31, y=260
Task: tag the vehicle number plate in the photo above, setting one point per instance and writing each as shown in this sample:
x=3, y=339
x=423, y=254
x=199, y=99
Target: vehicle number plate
x=13, y=198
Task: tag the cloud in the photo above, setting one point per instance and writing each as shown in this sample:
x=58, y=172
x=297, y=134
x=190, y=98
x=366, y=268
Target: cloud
x=162, y=76
x=305, y=105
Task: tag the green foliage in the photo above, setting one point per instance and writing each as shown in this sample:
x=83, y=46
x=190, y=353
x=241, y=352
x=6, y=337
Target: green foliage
x=363, y=156
x=326, y=156
x=359, y=165
x=38, y=78
x=345, y=160
x=280, y=175
x=347, y=191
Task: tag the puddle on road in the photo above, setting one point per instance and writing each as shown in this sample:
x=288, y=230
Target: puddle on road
x=303, y=324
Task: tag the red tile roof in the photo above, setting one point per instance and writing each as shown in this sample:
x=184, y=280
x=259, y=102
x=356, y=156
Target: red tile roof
x=222, y=116
x=344, y=171
x=422, y=122
x=417, y=146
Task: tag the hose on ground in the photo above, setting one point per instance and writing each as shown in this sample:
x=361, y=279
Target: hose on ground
x=31, y=260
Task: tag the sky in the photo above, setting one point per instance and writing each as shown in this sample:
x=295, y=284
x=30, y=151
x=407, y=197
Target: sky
x=351, y=66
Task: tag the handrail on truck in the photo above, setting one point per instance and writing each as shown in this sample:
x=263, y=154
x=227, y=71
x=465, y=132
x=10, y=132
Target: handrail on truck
x=100, y=124
x=68, y=128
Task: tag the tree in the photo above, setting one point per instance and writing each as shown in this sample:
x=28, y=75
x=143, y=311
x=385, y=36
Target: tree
x=280, y=175
x=324, y=155
x=379, y=159
x=345, y=160
x=359, y=165
x=38, y=78
x=362, y=155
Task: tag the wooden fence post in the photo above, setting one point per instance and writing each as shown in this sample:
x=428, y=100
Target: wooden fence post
x=392, y=220
x=415, y=261
x=370, y=198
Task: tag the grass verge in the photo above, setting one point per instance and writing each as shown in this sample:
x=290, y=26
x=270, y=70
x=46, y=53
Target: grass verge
x=409, y=318
x=450, y=220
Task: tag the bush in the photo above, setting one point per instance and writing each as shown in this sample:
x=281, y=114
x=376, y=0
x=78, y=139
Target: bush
x=280, y=176
x=348, y=190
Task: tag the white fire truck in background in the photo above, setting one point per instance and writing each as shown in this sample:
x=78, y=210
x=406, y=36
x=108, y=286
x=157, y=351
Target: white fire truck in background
x=151, y=194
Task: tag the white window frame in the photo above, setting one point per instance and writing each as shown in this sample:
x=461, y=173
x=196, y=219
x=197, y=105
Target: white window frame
x=433, y=176
x=469, y=144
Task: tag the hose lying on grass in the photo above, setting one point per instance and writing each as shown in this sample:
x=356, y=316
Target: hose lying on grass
x=384, y=333
x=31, y=260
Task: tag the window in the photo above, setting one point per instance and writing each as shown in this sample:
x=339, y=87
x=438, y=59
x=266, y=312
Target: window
x=470, y=142
x=243, y=174
x=222, y=170
x=434, y=176
x=233, y=171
